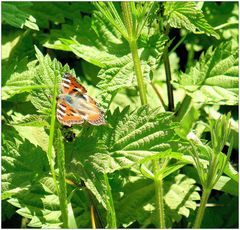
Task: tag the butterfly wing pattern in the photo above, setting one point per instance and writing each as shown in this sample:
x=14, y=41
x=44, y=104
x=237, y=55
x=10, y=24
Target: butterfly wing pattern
x=74, y=106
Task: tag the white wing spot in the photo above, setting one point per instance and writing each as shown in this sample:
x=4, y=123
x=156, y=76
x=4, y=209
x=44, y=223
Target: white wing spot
x=60, y=112
x=66, y=80
x=62, y=107
x=79, y=90
x=59, y=116
x=76, y=114
x=65, y=85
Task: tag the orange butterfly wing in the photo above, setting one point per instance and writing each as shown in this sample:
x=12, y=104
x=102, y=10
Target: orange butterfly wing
x=69, y=85
x=96, y=117
x=67, y=115
x=74, y=105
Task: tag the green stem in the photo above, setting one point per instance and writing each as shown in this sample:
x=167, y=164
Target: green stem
x=134, y=50
x=219, y=27
x=212, y=172
x=168, y=80
x=178, y=44
x=159, y=96
x=225, y=25
x=111, y=208
x=127, y=17
x=190, y=57
x=158, y=182
x=51, y=135
x=61, y=178
x=138, y=71
x=201, y=209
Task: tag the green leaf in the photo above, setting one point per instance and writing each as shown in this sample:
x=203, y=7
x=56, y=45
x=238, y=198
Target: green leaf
x=44, y=79
x=17, y=17
x=188, y=121
x=111, y=215
x=114, y=57
x=225, y=184
x=58, y=12
x=186, y=15
x=223, y=206
x=18, y=157
x=167, y=169
x=29, y=188
x=31, y=127
x=61, y=178
x=120, y=74
x=39, y=204
x=9, y=211
x=230, y=170
x=20, y=82
x=182, y=191
x=137, y=201
x=109, y=11
x=225, y=19
x=86, y=41
x=214, y=79
x=213, y=113
x=125, y=141
x=30, y=120
x=9, y=41
x=17, y=47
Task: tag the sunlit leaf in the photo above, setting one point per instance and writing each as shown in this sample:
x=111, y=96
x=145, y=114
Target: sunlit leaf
x=214, y=79
x=186, y=15
x=180, y=195
x=17, y=17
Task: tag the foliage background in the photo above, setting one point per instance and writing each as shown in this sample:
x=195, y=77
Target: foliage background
x=76, y=38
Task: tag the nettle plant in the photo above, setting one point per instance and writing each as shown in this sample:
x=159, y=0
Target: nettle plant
x=153, y=161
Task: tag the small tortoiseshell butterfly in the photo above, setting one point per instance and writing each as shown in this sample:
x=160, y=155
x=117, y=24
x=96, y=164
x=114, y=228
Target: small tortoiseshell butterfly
x=74, y=106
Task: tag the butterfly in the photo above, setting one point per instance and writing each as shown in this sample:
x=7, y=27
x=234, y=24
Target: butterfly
x=74, y=106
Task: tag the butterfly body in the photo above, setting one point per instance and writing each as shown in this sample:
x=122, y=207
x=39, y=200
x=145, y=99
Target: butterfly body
x=74, y=106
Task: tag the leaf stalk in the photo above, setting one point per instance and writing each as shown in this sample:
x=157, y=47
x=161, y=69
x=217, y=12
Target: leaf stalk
x=158, y=182
x=202, y=207
x=134, y=50
x=138, y=71
x=112, y=222
x=61, y=178
x=220, y=132
x=168, y=80
x=51, y=135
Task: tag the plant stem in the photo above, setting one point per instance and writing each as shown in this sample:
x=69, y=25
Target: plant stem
x=138, y=71
x=127, y=17
x=158, y=182
x=167, y=67
x=51, y=135
x=134, y=50
x=111, y=208
x=61, y=178
x=190, y=57
x=168, y=80
x=93, y=217
x=178, y=44
x=219, y=27
x=159, y=96
x=226, y=25
x=201, y=209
